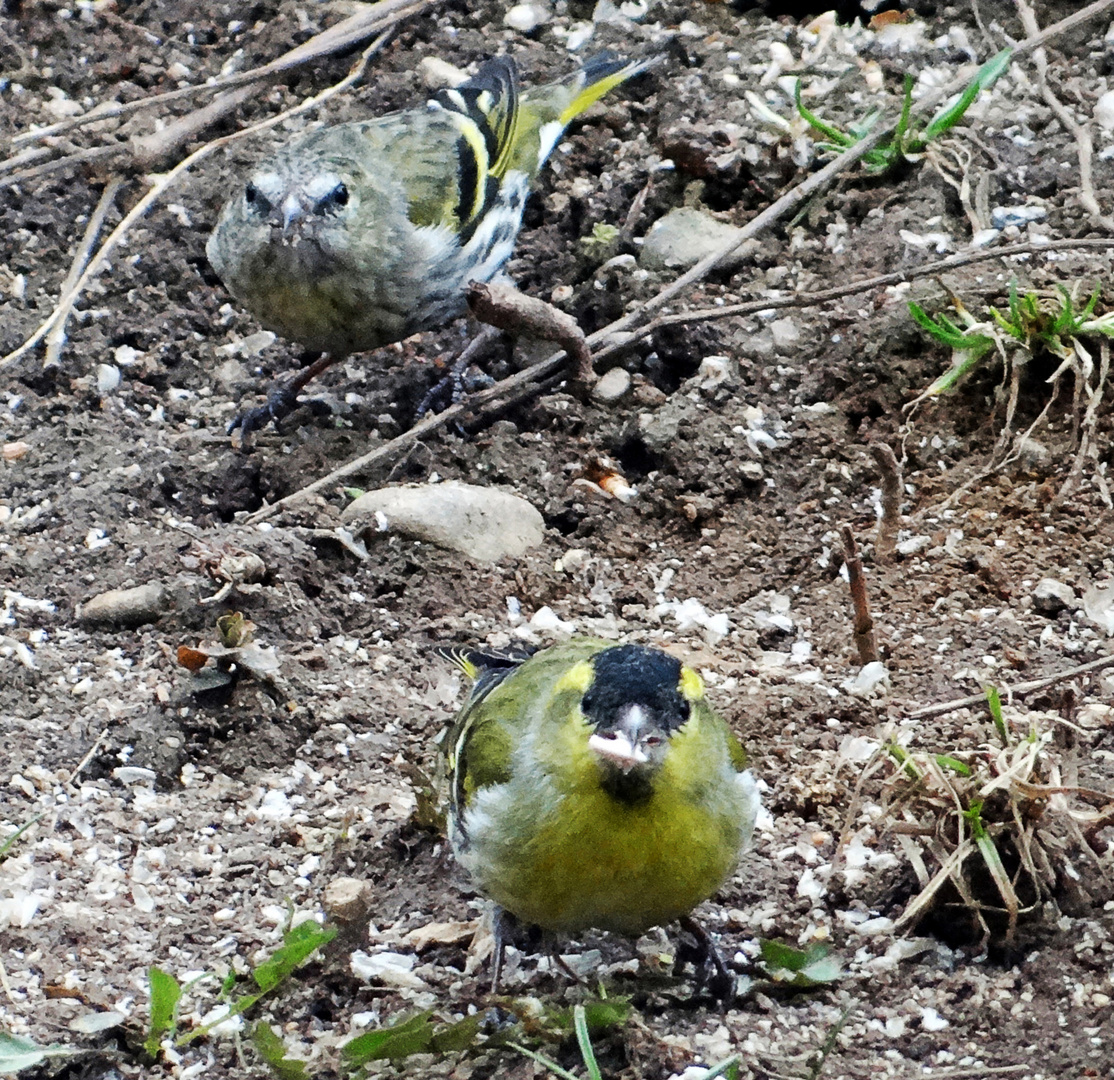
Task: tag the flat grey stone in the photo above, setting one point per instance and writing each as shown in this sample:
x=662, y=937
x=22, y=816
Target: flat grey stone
x=685, y=236
x=126, y=607
x=1050, y=597
x=484, y=523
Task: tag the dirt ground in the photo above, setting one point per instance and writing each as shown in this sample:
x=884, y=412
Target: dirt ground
x=187, y=829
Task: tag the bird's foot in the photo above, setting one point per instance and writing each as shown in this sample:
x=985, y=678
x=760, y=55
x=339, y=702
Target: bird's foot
x=453, y=387
x=282, y=399
x=712, y=973
x=508, y=930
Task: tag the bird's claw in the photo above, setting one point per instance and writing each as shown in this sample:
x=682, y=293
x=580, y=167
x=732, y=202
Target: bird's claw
x=698, y=949
x=281, y=402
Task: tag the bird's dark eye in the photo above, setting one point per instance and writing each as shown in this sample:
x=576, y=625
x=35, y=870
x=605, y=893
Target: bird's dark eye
x=256, y=199
x=336, y=198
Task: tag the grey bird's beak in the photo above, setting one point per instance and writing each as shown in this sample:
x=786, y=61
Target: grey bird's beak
x=623, y=746
x=292, y=210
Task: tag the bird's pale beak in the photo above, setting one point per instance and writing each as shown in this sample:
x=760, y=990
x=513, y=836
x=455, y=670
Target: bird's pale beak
x=292, y=210
x=617, y=749
x=624, y=745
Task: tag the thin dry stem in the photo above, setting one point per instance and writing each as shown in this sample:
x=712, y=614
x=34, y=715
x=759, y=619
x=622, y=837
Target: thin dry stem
x=885, y=542
x=1087, y=446
x=863, y=628
x=1008, y=692
x=57, y=336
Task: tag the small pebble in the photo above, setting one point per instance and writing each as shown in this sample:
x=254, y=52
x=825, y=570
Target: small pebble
x=126, y=607
x=612, y=386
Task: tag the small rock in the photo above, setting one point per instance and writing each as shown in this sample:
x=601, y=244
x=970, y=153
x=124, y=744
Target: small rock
x=526, y=17
x=1050, y=597
x=715, y=370
x=13, y=451
x=1003, y=216
x=1104, y=111
x=1031, y=454
x=685, y=236
x=751, y=472
x=108, y=378
x=483, y=523
x=1098, y=603
x=126, y=607
x=785, y=333
x=612, y=385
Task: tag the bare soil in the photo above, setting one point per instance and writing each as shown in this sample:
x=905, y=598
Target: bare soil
x=249, y=800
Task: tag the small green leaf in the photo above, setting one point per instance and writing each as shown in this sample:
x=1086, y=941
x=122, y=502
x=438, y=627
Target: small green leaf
x=17, y=1054
x=297, y=945
x=810, y=967
x=462, y=1035
x=957, y=766
x=165, y=992
x=411, y=1036
x=273, y=1051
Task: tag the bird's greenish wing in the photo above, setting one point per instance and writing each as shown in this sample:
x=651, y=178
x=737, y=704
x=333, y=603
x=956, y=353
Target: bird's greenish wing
x=418, y=152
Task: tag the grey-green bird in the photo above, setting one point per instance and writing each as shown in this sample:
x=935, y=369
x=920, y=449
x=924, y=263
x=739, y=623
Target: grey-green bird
x=356, y=236
x=593, y=786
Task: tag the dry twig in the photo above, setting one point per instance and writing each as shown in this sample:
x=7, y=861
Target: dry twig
x=1008, y=692
x=57, y=336
x=885, y=543
x=505, y=308
x=864, y=623
x=348, y=32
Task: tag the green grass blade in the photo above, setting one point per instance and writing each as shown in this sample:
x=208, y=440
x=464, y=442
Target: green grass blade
x=584, y=1041
x=9, y=841
x=956, y=766
x=984, y=78
x=838, y=137
x=902, y=127
x=994, y=704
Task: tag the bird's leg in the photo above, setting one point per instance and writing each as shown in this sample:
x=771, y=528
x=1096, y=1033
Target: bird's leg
x=503, y=927
x=711, y=971
x=282, y=396
x=455, y=378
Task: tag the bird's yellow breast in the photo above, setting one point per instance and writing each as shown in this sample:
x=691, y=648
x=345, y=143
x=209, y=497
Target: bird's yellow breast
x=565, y=854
